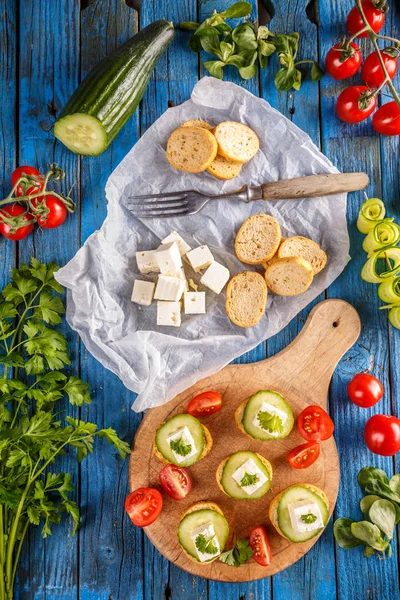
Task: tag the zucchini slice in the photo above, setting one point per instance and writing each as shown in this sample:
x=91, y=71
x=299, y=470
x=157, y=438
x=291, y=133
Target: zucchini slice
x=371, y=211
x=247, y=479
x=264, y=425
x=385, y=233
x=195, y=520
x=172, y=426
x=292, y=495
x=381, y=265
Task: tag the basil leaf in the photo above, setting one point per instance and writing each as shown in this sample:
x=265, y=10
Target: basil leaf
x=206, y=31
x=368, y=473
x=239, y=9
x=189, y=25
x=266, y=48
x=381, y=489
x=226, y=50
x=343, y=534
x=244, y=36
x=317, y=71
x=383, y=514
x=369, y=534
x=366, y=503
x=215, y=68
x=211, y=44
x=394, y=484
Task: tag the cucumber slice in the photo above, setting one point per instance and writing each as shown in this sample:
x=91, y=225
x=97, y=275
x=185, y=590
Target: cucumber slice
x=82, y=134
x=173, y=425
x=295, y=494
x=278, y=429
x=231, y=487
x=196, y=519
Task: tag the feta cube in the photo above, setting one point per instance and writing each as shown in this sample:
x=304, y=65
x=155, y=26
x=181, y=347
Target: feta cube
x=251, y=468
x=168, y=258
x=169, y=314
x=272, y=410
x=146, y=262
x=182, y=276
x=302, y=508
x=209, y=533
x=195, y=303
x=143, y=292
x=175, y=237
x=200, y=258
x=187, y=438
x=169, y=288
x=216, y=277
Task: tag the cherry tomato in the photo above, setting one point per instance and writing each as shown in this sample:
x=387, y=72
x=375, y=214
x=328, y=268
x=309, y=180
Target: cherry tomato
x=315, y=424
x=56, y=215
x=259, y=543
x=25, y=170
x=342, y=63
x=372, y=73
x=374, y=16
x=347, y=105
x=143, y=506
x=15, y=210
x=386, y=120
x=365, y=390
x=175, y=481
x=204, y=404
x=382, y=435
x=304, y=456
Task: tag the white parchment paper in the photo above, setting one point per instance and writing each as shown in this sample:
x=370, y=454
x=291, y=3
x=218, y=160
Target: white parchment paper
x=155, y=362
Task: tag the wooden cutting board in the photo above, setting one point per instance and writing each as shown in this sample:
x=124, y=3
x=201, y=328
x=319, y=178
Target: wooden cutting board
x=301, y=373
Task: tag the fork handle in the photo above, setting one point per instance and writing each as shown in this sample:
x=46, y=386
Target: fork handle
x=314, y=185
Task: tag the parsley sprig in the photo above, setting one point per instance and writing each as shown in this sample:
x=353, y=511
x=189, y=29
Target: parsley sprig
x=180, y=446
x=248, y=479
x=32, y=433
x=237, y=555
x=308, y=518
x=270, y=422
x=206, y=545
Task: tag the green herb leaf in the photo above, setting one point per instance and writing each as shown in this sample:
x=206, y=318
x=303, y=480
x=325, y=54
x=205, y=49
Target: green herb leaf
x=226, y=50
x=270, y=422
x=245, y=37
x=49, y=309
x=77, y=391
x=368, y=473
x=112, y=438
x=309, y=518
x=266, y=48
x=343, y=534
x=394, y=484
x=366, y=503
x=189, y=25
x=369, y=534
x=237, y=10
x=215, y=68
x=207, y=32
x=237, y=555
x=211, y=44
x=379, y=488
x=180, y=447
x=317, y=71
x=206, y=545
x=383, y=514
x=248, y=479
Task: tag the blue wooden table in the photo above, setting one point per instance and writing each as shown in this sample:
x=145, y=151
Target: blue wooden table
x=47, y=46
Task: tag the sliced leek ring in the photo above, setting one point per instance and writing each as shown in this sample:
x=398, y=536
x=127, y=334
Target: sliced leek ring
x=371, y=211
x=384, y=233
x=389, y=290
x=391, y=256
x=394, y=316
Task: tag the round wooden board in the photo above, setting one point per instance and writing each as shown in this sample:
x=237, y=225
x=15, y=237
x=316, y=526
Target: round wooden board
x=301, y=373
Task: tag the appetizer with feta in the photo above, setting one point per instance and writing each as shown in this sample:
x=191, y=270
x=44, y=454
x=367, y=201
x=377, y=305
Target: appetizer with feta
x=244, y=475
x=265, y=416
x=203, y=532
x=300, y=512
x=182, y=441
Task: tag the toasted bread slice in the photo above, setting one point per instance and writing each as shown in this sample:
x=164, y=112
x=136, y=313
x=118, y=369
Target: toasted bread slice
x=289, y=276
x=222, y=168
x=220, y=468
x=191, y=149
x=197, y=123
x=246, y=298
x=304, y=248
x=268, y=262
x=195, y=508
x=236, y=141
x=273, y=507
x=208, y=442
x=258, y=239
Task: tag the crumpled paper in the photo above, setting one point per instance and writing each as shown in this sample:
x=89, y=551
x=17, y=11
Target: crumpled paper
x=158, y=363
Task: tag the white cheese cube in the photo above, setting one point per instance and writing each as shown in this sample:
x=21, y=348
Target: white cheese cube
x=180, y=275
x=168, y=258
x=186, y=437
x=169, y=287
x=309, y=510
x=200, y=258
x=143, y=292
x=272, y=410
x=195, y=303
x=169, y=314
x=216, y=277
x=175, y=237
x=251, y=468
x=146, y=262
x=207, y=530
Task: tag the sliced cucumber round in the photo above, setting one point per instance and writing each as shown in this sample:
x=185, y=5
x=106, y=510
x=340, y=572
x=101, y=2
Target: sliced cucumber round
x=83, y=134
x=238, y=490
x=172, y=426
x=297, y=493
x=197, y=519
x=269, y=426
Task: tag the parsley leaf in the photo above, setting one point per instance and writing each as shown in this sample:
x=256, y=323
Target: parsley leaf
x=270, y=422
x=309, y=518
x=248, y=479
x=180, y=447
x=237, y=555
x=206, y=545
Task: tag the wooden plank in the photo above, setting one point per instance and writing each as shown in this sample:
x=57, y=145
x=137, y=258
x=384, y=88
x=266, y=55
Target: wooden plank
x=356, y=147
x=111, y=549
x=48, y=71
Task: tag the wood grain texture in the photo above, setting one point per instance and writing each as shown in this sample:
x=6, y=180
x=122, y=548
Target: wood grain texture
x=314, y=186
x=301, y=373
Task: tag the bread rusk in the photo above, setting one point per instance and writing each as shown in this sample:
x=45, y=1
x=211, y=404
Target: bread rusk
x=197, y=123
x=304, y=248
x=246, y=298
x=191, y=149
x=289, y=276
x=258, y=239
x=225, y=169
x=236, y=142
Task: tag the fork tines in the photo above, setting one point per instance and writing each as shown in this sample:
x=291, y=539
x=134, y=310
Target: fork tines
x=159, y=205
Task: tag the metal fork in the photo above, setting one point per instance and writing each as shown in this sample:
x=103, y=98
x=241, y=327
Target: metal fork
x=190, y=202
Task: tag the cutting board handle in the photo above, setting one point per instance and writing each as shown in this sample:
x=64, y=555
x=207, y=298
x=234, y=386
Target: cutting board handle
x=332, y=328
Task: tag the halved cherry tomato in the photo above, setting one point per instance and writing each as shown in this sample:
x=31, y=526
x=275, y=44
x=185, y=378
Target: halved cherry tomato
x=175, y=481
x=22, y=190
x=304, y=456
x=342, y=62
x=204, y=404
x=259, y=543
x=15, y=210
x=374, y=16
x=372, y=73
x=143, y=506
x=382, y=435
x=56, y=215
x=365, y=390
x=315, y=424
x=347, y=105
x=386, y=120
